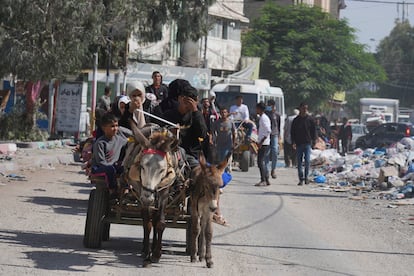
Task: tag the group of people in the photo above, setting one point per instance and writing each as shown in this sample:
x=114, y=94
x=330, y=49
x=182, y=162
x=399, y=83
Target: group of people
x=207, y=127
x=158, y=104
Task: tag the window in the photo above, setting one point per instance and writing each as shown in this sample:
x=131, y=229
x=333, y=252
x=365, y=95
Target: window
x=225, y=30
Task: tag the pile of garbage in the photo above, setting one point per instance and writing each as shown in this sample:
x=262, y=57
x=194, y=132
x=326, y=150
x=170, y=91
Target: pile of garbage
x=388, y=170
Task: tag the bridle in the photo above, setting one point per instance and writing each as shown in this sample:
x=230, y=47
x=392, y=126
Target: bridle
x=154, y=151
x=163, y=154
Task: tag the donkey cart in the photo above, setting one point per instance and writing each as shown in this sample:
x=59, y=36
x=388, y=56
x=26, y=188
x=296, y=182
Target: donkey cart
x=103, y=212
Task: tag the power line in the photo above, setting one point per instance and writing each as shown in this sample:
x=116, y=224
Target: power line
x=404, y=6
x=382, y=2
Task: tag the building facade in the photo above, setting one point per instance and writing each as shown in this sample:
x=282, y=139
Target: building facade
x=252, y=7
x=219, y=51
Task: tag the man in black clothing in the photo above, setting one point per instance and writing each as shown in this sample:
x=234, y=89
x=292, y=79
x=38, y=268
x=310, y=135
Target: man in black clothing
x=157, y=88
x=274, y=117
x=303, y=135
x=193, y=129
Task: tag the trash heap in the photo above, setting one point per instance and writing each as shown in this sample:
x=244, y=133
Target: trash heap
x=389, y=171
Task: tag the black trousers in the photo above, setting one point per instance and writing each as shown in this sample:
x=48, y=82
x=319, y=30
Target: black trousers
x=263, y=162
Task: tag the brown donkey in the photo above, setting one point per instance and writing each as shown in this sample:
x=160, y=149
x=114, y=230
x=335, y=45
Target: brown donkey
x=204, y=196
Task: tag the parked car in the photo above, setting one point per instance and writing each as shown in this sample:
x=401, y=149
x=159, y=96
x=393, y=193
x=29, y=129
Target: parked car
x=385, y=135
x=358, y=130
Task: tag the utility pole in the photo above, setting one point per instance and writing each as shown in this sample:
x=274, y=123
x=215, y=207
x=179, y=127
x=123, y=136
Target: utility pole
x=94, y=88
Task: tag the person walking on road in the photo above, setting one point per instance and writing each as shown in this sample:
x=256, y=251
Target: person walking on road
x=223, y=135
x=104, y=102
x=274, y=117
x=345, y=136
x=289, y=152
x=263, y=144
x=303, y=135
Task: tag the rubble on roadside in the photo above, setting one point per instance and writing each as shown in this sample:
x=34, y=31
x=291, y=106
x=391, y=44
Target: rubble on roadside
x=380, y=173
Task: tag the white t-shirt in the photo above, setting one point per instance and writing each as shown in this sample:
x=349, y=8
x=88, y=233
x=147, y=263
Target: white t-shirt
x=265, y=128
x=242, y=112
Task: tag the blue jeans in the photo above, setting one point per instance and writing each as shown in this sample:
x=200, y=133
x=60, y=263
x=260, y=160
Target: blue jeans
x=274, y=150
x=303, y=152
x=263, y=162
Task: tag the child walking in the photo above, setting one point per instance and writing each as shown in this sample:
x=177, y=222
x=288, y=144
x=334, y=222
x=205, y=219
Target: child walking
x=223, y=135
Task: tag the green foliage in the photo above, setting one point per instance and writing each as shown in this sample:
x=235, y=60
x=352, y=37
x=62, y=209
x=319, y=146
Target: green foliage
x=308, y=53
x=44, y=39
x=18, y=125
x=396, y=55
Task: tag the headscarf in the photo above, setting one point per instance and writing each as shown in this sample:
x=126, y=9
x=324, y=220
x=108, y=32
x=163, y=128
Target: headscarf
x=137, y=116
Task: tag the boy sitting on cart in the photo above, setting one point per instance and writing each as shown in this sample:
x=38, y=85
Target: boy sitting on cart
x=107, y=152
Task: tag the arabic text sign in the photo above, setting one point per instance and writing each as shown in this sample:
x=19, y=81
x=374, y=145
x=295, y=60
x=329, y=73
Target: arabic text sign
x=68, y=107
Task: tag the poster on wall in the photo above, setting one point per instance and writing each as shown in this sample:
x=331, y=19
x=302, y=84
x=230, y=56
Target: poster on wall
x=70, y=102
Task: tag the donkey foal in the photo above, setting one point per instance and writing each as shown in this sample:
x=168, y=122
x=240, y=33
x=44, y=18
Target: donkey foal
x=204, y=198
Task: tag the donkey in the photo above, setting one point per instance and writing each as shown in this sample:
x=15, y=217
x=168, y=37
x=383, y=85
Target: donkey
x=204, y=195
x=152, y=175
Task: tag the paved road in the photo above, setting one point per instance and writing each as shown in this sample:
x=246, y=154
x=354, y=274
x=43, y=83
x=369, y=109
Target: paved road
x=282, y=229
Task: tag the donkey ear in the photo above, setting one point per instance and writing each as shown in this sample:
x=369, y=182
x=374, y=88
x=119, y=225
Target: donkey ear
x=138, y=135
x=202, y=160
x=223, y=163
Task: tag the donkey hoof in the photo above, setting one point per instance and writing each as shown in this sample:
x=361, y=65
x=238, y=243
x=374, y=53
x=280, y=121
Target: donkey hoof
x=193, y=259
x=155, y=260
x=210, y=264
x=201, y=259
x=147, y=264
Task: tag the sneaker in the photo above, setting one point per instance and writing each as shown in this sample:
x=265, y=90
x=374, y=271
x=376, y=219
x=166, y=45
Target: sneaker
x=306, y=181
x=274, y=173
x=300, y=183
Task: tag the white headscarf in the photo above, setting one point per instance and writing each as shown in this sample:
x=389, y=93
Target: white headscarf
x=138, y=117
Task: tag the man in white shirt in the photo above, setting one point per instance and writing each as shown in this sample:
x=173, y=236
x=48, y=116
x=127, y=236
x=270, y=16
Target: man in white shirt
x=240, y=112
x=265, y=128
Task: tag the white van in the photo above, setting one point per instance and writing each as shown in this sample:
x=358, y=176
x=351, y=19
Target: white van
x=253, y=91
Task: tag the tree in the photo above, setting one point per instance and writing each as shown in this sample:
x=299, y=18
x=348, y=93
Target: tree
x=396, y=54
x=308, y=53
x=43, y=39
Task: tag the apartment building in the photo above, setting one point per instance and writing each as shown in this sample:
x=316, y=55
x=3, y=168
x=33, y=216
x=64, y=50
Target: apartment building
x=219, y=51
x=252, y=7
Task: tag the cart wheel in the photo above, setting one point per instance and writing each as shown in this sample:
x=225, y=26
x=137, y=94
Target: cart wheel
x=252, y=160
x=94, y=226
x=105, y=231
x=245, y=161
x=77, y=157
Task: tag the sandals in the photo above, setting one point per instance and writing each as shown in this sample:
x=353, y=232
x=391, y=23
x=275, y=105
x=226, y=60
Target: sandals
x=220, y=220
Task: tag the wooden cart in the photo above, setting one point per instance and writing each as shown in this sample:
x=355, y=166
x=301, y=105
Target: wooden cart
x=102, y=213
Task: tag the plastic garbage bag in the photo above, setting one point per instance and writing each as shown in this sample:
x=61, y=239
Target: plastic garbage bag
x=407, y=142
x=410, y=168
x=380, y=163
x=380, y=151
x=320, y=179
x=226, y=177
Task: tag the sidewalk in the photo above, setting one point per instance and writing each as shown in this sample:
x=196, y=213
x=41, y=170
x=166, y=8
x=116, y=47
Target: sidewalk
x=34, y=155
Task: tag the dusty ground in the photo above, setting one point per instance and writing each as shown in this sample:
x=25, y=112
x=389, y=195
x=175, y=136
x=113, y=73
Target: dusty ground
x=282, y=229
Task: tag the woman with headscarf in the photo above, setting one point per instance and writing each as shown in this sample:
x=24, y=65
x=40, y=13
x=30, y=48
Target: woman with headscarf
x=136, y=93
